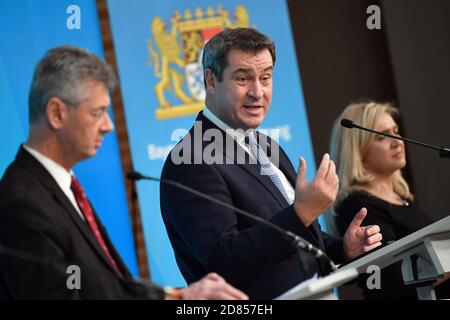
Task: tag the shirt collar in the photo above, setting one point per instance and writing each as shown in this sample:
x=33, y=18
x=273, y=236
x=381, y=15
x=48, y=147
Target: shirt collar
x=62, y=177
x=238, y=135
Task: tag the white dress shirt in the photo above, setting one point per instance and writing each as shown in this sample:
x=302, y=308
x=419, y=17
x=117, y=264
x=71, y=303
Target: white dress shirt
x=240, y=137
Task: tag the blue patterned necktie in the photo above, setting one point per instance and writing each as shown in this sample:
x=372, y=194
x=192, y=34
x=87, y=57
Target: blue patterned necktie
x=266, y=166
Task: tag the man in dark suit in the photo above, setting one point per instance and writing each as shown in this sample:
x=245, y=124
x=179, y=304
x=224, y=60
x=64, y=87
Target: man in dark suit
x=224, y=156
x=52, y=244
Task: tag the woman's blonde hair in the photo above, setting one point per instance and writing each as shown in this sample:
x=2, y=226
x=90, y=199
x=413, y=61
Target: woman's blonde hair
x=348, y=147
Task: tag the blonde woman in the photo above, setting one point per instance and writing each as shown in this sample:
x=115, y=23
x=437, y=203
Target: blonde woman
x=369, y=169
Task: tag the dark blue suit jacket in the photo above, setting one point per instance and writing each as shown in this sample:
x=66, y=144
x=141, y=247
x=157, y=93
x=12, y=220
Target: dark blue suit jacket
x=207, y=237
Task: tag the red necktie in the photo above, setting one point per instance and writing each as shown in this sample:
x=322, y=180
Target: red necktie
x=85, y=207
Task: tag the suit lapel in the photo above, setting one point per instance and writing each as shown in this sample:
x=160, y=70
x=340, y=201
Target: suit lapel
x=253, y=169
x=285, y=166
x=29, y=162
x=112, y=250
x=81, y=225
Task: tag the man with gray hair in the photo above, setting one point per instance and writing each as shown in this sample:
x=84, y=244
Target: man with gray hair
x=47, y=224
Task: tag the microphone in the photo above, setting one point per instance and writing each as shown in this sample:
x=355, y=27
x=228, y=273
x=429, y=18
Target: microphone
x=443, y=152
x=298, y=241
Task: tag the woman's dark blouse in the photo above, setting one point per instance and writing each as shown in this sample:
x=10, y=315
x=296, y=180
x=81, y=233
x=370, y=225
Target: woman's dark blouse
x=395, y=222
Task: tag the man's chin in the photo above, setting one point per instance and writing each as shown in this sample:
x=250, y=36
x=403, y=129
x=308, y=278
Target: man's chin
x=90, y=153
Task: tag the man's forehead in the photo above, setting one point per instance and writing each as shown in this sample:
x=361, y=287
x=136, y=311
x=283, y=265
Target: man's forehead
x=237, y=54
x=261, y=60
x=96, y=94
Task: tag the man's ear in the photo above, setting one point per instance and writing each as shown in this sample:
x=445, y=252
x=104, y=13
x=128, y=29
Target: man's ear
x=210, y=81
x=56, y=112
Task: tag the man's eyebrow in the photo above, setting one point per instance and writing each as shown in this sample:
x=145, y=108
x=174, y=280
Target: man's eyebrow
x=243, y=70
x=100, y=107
x=248, y=70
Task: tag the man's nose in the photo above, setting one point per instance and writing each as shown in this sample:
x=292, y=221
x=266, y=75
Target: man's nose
x=107, y=124
x=256, y=90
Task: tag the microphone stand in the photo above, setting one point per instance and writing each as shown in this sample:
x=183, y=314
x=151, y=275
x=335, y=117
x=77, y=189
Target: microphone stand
x=443, y=152
x=297, y=241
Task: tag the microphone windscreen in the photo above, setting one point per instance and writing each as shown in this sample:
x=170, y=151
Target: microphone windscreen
x=347, y=123
x=133, y=175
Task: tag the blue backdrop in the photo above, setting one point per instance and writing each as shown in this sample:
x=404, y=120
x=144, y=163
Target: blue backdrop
x=28, y=28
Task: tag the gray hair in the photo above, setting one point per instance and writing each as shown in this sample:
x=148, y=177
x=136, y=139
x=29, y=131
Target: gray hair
x=64, y=72
x=215, y=53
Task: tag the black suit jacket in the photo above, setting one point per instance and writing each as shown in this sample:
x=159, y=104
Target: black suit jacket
x=207, y=237
x=41, y=235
